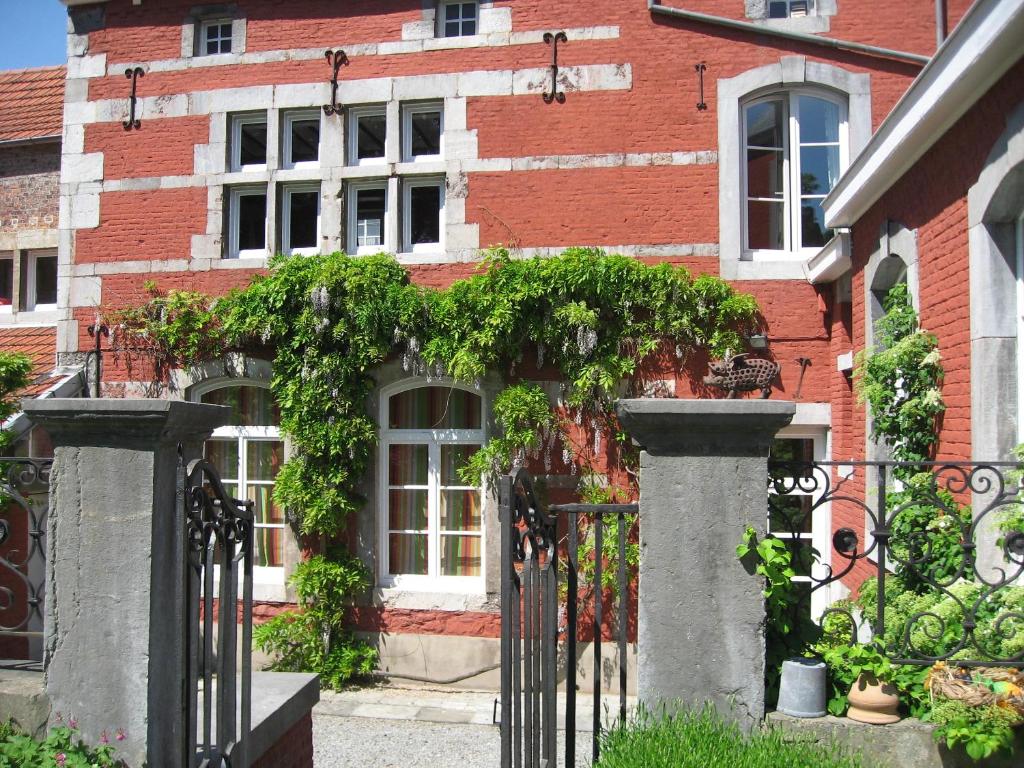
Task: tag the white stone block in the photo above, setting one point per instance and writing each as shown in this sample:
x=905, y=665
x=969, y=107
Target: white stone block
x=537, y=80
x=418, y=30
x=461, y=145
x=485, y=83
x=425, y=87
x=454, y=114
x=495, y=20
x=462, y=236
x=241, y=99
x=301, y=96
x=396, y=47
x=452, y=43
x=487, y=165
x=84, y=212
x=365, y=91
x=88, y=66
x=73, y=142
x=85, y=292
x=80, y=113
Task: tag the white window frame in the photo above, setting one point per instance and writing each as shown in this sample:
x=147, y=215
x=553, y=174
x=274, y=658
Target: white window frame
x=237, y=121
x=286, y=218
x=351, y=201
x=408, y=184
x=206, y=26
x=791, y=169
x=234, y=221
x=6, y=309
x=434, y=438
x=811, y=11
x=354, y=115
x=1019, y=245
x=32, y=257
x=272, y=574
x=290, y=118
x=408, y=111
x=442, y=17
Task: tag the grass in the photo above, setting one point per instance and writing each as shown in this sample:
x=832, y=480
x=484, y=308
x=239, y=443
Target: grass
x=699, y=739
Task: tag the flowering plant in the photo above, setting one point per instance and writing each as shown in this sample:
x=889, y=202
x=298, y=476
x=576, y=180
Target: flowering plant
x=61, y=748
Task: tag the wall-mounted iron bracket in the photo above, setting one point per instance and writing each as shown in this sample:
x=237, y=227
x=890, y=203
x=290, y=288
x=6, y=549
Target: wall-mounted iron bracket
x=98, y=332
x=700, y=68
x=553, y=40
x=337, y=59
x=133, y=121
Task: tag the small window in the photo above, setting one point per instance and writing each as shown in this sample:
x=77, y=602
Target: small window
x=41, y=281
x=249, y=142
x=367, y=211
x=301, y=219
x=422, y=132
x=301, y=140
x=215, y=37
x=790, y=9
x=423, y=219
x=458, y=19
x=247, y=220
x=367, y=135
x=6, y=284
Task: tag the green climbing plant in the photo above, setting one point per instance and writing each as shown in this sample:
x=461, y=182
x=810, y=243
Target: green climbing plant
x=15, y=368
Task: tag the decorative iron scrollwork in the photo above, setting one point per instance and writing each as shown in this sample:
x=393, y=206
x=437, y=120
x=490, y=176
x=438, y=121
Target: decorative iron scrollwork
x=553, y=39
x=700, y=69
x=337, y=59
x=133, y=74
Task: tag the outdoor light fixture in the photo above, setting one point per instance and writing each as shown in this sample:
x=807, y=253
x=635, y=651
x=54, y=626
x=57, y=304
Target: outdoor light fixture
x=758, y=341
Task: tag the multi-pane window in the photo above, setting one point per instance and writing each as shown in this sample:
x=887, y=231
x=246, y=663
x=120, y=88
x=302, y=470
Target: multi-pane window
x=301, y=136
x=422, y=214
x=248, y=455
x=785, y=9
x=301, y=219
x=421, y=132
x=41, y=280
x=795, y=145
x=249, y=142
x=215, y=37
x=247, y=222
x=367, y=212
x=367, y=135
x=431, y=517
x=458, y=19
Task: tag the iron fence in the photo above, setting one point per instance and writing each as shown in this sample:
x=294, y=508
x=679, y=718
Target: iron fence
x=24, y=503
x=540, y=614
x=942, y=541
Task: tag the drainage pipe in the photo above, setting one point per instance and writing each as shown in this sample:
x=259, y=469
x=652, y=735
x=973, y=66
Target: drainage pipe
x=940, y=22
x=802, y=37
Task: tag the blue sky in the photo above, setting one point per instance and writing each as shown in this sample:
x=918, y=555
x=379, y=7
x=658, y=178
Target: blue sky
x=32, y=33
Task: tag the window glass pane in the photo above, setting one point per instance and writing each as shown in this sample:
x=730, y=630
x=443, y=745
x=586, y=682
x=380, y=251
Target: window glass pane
x=460, y=510
x=263, y=459
x=469, y=27
x=6, y=282
x=265, y=508
x=407, y=465
x=407, y=510
x=252, y=222
x=765, y=173
x=369, y=217
x=425, y=219
x=407, y=553
x=452, y=12
x=223, y=454
x=789, y=514
x=764, y=225
x=426, y=133
x=469, y=10
x=812, y=223
x=305, y=141
x=302, y=219
x=253, y=149
x=46, y=280
x=453, y=458
x=764, y=124
x=250, y=406
x=778, y=9
x=460, y=555
x=269, y=550
x=819, y=120
x=434, y=408
x=371, y=132
x=819, y=169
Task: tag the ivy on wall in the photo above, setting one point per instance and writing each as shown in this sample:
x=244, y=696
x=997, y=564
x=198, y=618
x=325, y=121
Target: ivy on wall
x=15, y=368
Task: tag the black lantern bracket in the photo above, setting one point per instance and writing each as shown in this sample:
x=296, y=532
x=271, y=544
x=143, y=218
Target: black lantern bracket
x=700, y=69
x=337, y=59
x=133, y=74
x=553, y=39
x=98, y=331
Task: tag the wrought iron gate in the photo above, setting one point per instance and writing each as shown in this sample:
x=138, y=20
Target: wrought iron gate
x=531, y=614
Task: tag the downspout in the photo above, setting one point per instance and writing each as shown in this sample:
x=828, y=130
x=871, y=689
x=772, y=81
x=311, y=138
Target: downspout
x=940, y=23
x=802, y=37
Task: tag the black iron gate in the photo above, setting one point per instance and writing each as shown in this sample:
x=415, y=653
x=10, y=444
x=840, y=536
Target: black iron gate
x=540, y=617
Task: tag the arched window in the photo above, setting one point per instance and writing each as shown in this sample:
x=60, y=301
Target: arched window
x=431, y=519
x=248, y=453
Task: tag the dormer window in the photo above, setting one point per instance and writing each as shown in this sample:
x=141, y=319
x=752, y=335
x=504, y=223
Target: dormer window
x=458, y=19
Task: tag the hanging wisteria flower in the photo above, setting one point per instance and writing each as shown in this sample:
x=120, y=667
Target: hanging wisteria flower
x=321, y=300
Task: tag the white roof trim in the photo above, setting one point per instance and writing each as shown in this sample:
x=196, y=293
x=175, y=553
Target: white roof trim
x=985, y=44
x=71, y=384
x=832, y=261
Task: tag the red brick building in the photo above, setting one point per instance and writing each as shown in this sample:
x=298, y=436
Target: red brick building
x=709, y=137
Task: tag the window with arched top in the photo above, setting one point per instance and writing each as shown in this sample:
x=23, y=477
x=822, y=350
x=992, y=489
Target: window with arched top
x=248, y=453
x=430, y=518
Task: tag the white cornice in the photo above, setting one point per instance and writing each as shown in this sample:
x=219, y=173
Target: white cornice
x=985, y=44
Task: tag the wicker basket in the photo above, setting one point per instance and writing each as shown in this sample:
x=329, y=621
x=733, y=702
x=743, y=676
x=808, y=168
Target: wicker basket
x=974, y=686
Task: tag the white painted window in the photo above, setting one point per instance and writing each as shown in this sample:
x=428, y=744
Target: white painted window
x=1019, y=237
x=249, y=142
x=422, y=132
x=41, y=280
x=301, y=137
x=215, y=37
x=795, y=148
x=248, y=454
x=458, y=19
x=367, y=135
x=6, y=283
x=247, y=222
x=367, y=218
x=790, y=9
x=430, y=521
x=423, y=215
x=300, y=230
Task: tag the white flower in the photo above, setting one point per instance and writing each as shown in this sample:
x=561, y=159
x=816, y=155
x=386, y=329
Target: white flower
x=932, y=358
x=932, y=398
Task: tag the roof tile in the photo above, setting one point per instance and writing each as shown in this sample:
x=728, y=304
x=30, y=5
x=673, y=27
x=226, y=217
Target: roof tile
x=39, y=343
x=31, y=103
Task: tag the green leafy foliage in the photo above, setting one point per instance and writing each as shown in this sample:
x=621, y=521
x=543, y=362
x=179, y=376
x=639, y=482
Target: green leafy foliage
x=313, y=638
x=702, y=738
x=61, y=748
x=14, y=374
x=982, y=730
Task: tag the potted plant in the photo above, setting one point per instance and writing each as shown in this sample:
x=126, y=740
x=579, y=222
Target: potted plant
x=872, y=697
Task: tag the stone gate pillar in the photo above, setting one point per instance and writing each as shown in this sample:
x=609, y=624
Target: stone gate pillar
x=703, y=480
x=114, y=618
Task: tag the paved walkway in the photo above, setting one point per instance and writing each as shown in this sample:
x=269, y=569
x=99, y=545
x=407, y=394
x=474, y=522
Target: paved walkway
x=393, y=727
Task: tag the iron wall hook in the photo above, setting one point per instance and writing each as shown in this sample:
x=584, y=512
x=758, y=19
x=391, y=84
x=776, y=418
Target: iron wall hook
x=337, y=59
x=98, y=332
x=700, y=68
x=553, y=40
x=133, y=121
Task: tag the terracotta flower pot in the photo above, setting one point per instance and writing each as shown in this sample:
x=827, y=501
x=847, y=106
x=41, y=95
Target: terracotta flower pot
x=872, y=701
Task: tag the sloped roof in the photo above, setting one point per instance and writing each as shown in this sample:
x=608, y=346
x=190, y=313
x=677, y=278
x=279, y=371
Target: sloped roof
x=31, y=103
x=39, y=343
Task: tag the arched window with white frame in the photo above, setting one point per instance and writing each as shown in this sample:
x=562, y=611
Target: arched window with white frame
x=430, y=519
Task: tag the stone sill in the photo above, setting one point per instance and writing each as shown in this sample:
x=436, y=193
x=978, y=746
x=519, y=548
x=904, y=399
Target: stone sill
x=279, y=701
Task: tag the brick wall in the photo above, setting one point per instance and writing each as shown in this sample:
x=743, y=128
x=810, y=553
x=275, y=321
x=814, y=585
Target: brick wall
x=293, y=750
x=29, y=180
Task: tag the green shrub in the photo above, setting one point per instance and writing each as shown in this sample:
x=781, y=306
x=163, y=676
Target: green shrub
x=62, y=748
x=983, y=730
x=700, y=739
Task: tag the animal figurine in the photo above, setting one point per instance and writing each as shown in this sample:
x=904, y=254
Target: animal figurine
x=736, y=373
